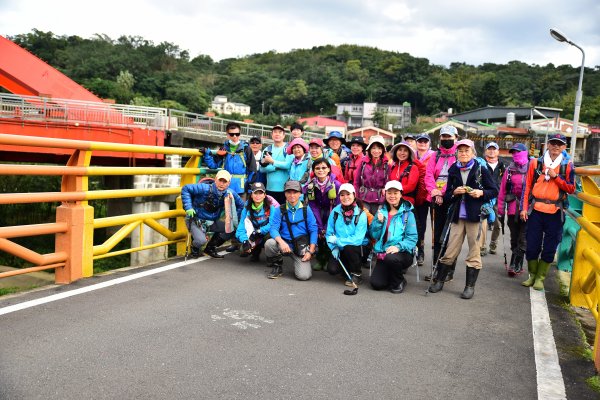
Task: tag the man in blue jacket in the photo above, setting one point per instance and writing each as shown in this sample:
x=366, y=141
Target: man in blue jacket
x=238, y=159
x=293, y=233
x=204, y=203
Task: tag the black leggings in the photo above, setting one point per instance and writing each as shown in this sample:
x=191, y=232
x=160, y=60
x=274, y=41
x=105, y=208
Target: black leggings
x=421, y=217
x=390, y=271
x=351, y=258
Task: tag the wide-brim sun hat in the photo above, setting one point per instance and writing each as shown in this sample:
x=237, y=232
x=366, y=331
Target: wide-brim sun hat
x=334, y=135
x=297, y=142
x=376, y=139
x=397, y=146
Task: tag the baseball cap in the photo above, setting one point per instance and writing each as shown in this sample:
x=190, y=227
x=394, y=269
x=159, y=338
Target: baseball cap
x=316, y=141
x=292, y=185
x=448, y=130
x=255, y=139
x=258, y=187
x=466, y=142
x=348, y=187
x=492, y=144
x=357, y=140
x=393, y=185
x=277, y=127
x=557, y=137
x=518, y=147
x=410, y=136
x=223, y=174
x=423, y=136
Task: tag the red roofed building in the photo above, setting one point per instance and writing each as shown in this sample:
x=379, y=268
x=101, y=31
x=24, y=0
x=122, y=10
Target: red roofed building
x=323, y=123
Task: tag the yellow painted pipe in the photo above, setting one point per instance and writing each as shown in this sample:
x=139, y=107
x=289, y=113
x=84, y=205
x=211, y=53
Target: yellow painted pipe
x=589, y=198
x=116, y=238
x=141, y=248
x=126, y=219
x=155, y=225
x=122, y=193
x=590, y=282
x=589, y=228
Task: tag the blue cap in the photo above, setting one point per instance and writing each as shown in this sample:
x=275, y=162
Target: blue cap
x=423, y=136
x=492, y=144
x=518, y=147
x=409, y=136
x=558, y=137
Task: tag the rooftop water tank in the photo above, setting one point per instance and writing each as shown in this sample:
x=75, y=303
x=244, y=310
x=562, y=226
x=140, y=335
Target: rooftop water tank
x=510, y=119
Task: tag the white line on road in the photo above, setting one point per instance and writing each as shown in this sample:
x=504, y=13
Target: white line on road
x=60, y=296
x=550, y=383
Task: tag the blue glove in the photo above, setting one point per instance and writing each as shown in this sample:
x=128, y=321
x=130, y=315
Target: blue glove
x=191, y=212
x=335, y=253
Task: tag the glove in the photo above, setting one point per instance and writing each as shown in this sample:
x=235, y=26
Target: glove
x=246, y=246
x=254, y=236
x=191, y=212
x=331, y=239
x=335, y=253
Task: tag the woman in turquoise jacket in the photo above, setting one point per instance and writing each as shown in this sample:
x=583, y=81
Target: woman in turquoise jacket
x=346, y=233
x=395, y=230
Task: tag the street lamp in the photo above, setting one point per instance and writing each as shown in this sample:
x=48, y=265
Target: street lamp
x=547, y=127
x=562, y=38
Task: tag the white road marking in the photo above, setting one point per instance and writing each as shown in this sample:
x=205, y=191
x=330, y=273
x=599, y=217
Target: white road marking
x=550, y=383
x=64, y=295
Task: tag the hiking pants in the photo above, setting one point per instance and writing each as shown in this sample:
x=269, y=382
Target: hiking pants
x=302, y=269
x=544, y=233
x=351, y=258
x=390, y=271
x=458, y=231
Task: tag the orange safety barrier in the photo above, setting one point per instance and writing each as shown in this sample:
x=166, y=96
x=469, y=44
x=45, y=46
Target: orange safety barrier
x=75, y=224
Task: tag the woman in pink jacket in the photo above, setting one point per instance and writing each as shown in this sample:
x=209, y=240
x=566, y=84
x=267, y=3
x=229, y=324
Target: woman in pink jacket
x=509, y=204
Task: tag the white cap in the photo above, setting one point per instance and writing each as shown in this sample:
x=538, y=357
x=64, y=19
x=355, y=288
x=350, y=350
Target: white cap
x=393, y=185
x=348, y=187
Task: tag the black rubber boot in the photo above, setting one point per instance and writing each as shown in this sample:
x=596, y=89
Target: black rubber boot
x=441, y=274
x=195, y=252
x=420, y=256
x=450, y=275
x=211, y=246
x=511, y=267
x=469, y=291
x=255, y=254
x=519, y=263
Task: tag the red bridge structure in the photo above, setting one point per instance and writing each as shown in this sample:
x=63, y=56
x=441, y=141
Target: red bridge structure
x=46, y=103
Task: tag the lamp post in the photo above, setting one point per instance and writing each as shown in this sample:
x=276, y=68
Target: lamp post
x=547, y=126
x=562, y=38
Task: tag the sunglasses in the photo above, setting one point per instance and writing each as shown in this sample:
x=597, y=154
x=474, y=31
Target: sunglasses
x=254, y=142
x=422, y=141
x=321, y=168
x=234, y=133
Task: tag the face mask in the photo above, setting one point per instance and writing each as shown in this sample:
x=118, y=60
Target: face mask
x=447, y=143
x=520, y=157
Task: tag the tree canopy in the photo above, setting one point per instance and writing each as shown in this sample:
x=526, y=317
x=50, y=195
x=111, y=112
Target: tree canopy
x=133, y=70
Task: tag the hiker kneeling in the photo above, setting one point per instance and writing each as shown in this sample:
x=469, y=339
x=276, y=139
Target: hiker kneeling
x=293, y=233
x=395, y=230
x=470, y=186
x=346, y=234
x=205, y=204
x=255, y=223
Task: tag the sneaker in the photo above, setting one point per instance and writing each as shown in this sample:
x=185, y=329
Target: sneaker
x=356, y=279
x=195, y=252
x=212, y=252
x=492, y=248
x=400, y=288
x=483, y=252
x=232, y=248
x=420, y=260
x=276, y=272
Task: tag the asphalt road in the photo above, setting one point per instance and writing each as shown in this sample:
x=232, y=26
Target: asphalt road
x=218, y=329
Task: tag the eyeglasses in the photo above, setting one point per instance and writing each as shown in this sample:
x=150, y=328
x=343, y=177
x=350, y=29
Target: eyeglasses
x=234, y=133
x=555, y=143
x=422, y=141
x=464, y=151
x=321, y=168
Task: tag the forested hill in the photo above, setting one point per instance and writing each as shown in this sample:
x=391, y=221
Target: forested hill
x=135, y=70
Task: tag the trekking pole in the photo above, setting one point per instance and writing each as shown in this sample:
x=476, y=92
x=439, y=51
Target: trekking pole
x=504, y=247
x=445, y=235
x=187, y=246
x=348, y=292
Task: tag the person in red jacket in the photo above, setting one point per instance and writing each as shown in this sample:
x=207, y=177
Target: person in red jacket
x=349, y=164
x=405, y=170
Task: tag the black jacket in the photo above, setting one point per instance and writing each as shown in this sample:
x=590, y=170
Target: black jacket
x=473, y=205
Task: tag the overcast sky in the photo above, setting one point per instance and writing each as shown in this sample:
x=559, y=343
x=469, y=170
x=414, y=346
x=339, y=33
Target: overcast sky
x=471, y=31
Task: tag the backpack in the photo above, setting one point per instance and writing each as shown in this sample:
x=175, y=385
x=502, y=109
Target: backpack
x=563, y=198
x=356, y=217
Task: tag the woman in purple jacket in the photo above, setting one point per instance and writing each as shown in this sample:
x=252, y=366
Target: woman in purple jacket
x=510, y=204
x=371, y=175
x=321, y=193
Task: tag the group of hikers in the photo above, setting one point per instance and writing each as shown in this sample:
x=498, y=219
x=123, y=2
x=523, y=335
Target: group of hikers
x=338, y=205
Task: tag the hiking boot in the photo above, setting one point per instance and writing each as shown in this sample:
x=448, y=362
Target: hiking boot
x=194, y=252
x=519, y=263
x=356, y=279
x=420, y=257
x=255, y=256
x=511, y=267
x=232, y=248
x=400, y=288
x=212, y=252
x=483, y=252
x=493, y=247
x=276, y=272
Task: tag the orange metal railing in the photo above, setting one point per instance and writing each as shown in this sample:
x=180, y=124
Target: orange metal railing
x=75, y=223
